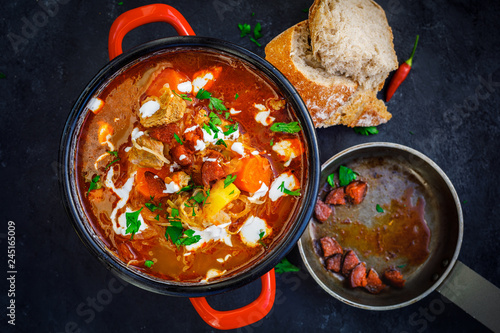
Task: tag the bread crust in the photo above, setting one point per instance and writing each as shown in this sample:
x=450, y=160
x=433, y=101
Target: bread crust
x=336, y=101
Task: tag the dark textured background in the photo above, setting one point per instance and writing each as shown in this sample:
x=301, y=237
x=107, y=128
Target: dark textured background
x=445, y=109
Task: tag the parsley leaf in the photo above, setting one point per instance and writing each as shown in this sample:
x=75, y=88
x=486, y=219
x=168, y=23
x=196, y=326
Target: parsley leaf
x=236, y=96
x=157, y=217
x=214, y=119
x=261, y=235
x=331, y=180
x=257, y=31
x=133, y=222
x=292, y=127
x=174, y=212
x=183, y=96
x=95, y=184
x=115, y=154
x=366, y=130
x=245, y=29
x=178, y=139
x=286, y=266
x=217, y=104
x=346, y=175
x=255, y=41
x=221, y=142
x=149, y=263
x=2, y=75
x=207, y=129
x=271, y=142
x=229, y=179
x=152, y=207
x=379, y=209
x=287, y=191
x=231, y=129
x=203, y=94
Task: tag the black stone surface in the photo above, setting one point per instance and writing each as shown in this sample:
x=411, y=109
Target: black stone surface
x=448, y=109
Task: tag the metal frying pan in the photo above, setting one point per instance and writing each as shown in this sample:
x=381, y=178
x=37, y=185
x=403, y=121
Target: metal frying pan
x=440, y=271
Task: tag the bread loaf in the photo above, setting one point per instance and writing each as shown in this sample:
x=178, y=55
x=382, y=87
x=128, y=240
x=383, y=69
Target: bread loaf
x=331, y=99
x=353, y=38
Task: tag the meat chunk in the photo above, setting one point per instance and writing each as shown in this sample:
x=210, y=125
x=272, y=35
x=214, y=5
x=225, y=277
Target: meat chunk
x=170, y=108
x=181, y=155
x=165, y=133
x=336, y=196
x=334, y=263
x=321, y=211
x=356, y=191
x=350, y=261
x=358, y=276
x=394, y=278
x=330, y=246
x=211, y=172
x=191, y=138
x=147, y=153
x=156, y=185
x=374, y=284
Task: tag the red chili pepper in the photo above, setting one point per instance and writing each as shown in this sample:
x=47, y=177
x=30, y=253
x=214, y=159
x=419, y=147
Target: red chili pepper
x=400, y=74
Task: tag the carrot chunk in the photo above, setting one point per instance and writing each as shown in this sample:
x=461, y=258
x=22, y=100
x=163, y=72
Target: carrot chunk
x=253, y=172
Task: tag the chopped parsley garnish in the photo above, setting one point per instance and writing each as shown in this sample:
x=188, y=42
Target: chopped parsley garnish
x=152, y=206
x=207, y=129
x=232, y=192
x=379, y=209
x=214, y=103
x=188, y=188
x=199, y=197
x=157, y=217
x=231, y=129
x=149, y=263
x=331, y=180
x=221, y=143
x=411, y=132
x=245, y=29
x=214, y=119
x=292, y=127
x=236, y=96
x=175, y=231
x=255, y=41
x=366, y=130
x=229, y=180
x=305, y=10
x=287, y=191
x=271, y=142
x=2, y=75
x=95, y=184
x=346, y=175
x=401, y=266
x=120, y=3
x=261, y=235
x=257, y=31
x=178, y=139
x=115, y=154
x=183, y=96
x=133, y=222
x=286, y=266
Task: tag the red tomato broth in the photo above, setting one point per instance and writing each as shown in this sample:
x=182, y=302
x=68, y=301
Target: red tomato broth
x=123, y=97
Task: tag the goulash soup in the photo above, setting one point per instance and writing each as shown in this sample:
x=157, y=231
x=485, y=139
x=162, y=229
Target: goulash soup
x=190, y=165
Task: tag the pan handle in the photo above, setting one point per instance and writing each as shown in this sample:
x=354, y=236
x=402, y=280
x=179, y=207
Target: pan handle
x=249, y=314
x=474, y=294
x=143, y=15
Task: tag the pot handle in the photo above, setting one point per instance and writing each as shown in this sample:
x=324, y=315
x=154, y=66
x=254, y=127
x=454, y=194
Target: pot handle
x=143, y=15
x=474, y=294
x=249, y=314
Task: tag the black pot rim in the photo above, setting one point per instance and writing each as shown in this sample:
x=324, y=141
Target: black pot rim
x=88, y=237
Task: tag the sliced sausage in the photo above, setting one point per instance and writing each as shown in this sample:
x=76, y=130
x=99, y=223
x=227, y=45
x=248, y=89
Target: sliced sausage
x=211, y=172
x=358, y=276
x=321, y=211
x=165, y=133
x=181, y=155
x=350, y=261
x=156, y=185
x=330, y=246
x=374, y=284
x=336, y=196
x=334, y=263
x=191, y=138
x=394, y=278
x=356, y=191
